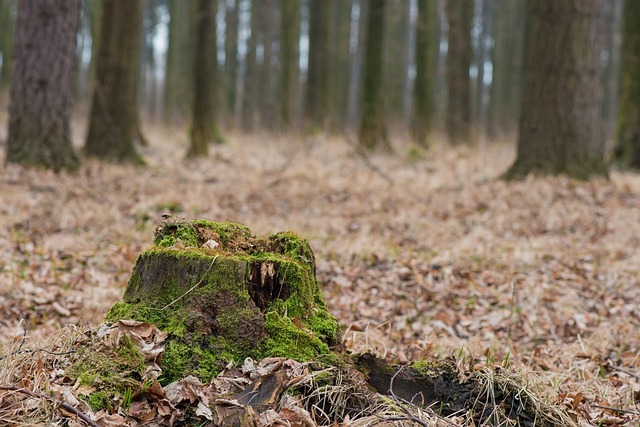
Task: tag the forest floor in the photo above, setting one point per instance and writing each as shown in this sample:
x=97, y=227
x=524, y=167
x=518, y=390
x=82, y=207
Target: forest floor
x=420, y=253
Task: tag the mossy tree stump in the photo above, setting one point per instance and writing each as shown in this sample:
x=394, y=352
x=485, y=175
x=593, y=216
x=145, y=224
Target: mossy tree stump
x=222, y=293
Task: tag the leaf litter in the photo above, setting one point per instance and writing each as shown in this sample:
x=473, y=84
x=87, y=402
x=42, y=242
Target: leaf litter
x=541, y=274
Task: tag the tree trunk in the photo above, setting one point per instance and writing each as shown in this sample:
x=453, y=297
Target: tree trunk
x=561, y=122
x=459, y=16
x=249, y=96
x=318, y=77
x=612, y=72
x=268, y=72
x=340, y=63
x=231, y=295
x=394, y=58
x=7, y=41
x=506, y=57
x=231, y=56
x=627, y=150
x=42, y=90
x=177, y=92
x=203, y=128
x=290, y=35
x=373, y=129
x=113, y=123
x=426, y=43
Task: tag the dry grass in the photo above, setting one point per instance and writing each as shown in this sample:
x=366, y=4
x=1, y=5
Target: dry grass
x=447, y=257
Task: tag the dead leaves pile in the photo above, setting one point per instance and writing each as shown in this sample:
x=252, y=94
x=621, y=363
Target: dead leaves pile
x=448, y=257
x=252, y=394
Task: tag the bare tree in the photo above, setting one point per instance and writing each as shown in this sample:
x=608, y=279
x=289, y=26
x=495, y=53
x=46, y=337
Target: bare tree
x=561, y=121
x=373, y=129
x=203, y=129
x=43, y=85
x=627, y=150
x=459, y=16
x=426, y=43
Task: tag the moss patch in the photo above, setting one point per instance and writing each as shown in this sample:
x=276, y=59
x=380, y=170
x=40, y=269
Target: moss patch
x=110, y=369
x=240, y=296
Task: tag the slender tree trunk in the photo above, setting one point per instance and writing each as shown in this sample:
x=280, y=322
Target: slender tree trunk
x=290, y=35
x=318, y=77
x=340, y=63
x=373, y=129
x=627, y=150
x=509, y=17
x=42, y=90
x=203, y=129
x=177, y=91
x=357, y=34
x=249, y=101
x=426, y=42
x=231, y=55
x=394, y=58
x=266, y=80
x=113, y=123
x=7, y=41
x=561, y=123
x=612, y=72
x=459, y=16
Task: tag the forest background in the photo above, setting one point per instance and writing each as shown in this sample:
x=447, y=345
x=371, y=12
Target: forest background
x=380, y=130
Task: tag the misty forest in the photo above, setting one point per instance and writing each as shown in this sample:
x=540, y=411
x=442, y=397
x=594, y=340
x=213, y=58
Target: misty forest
x=301, y=213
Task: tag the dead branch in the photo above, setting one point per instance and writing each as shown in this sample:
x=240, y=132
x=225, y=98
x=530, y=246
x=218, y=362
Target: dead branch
x=84, y=417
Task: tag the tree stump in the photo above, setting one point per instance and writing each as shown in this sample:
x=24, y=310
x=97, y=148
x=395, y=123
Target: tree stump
x=222, y=293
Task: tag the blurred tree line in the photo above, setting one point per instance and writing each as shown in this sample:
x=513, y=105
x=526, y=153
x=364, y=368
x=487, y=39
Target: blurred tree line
x=471, y=70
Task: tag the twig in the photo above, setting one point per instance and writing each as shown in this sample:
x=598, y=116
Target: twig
x=365, y=158
x=624, y=371
x=84, y=417
x=404, y=405
x=27, y=351
x=401, y=402
x=609, y=408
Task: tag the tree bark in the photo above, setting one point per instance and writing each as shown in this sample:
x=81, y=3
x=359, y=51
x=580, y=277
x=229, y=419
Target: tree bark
x=7, y=41
x=373, y=129
x=42, y=90
x=318, y=76
x=113, y=123
x=267, y=80
x=177, y=92
x=341, y=62
x=561, y=122
x=426, y=43
x=459, y=16
x=290, y=35
x=231, y=56
x=203, y=128
x=627, y=150
x=249, y=96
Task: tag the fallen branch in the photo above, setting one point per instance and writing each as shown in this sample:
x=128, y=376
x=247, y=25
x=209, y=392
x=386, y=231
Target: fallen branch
x=609, y=408
x=84, y=417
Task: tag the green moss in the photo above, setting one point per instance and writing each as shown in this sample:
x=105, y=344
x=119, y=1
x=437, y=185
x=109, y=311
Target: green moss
x=173, y=230
x=285, y=339
x=433, y=368
x=214, y=302
x=99, y=400
x=294, y=247
x=112, y=370
x=174, y=325
x=228, y=232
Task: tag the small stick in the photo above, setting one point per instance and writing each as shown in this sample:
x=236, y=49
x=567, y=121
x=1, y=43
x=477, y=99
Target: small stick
x=623, y=411
x=84, y=417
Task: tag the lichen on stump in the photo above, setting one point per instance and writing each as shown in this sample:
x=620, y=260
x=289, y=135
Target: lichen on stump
x=222, y=293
